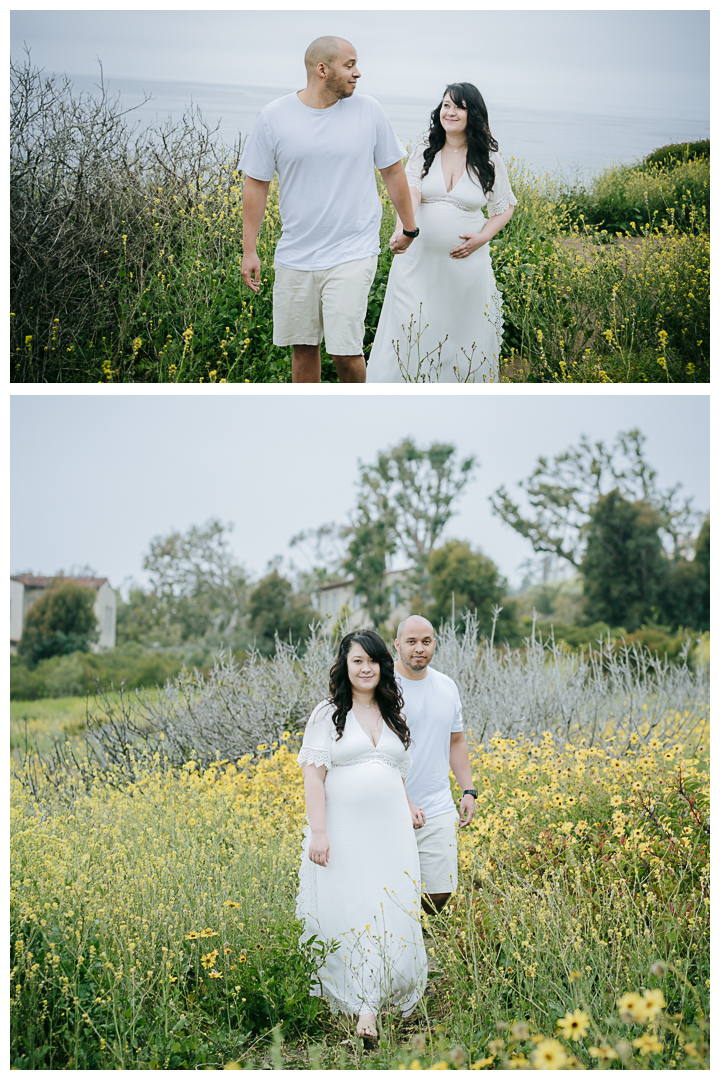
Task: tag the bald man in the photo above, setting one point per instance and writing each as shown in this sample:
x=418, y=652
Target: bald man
x=324, y=143
x=434, y=715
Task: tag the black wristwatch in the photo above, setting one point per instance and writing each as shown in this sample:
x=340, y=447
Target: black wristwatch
x=470, y=791
x=413, y=234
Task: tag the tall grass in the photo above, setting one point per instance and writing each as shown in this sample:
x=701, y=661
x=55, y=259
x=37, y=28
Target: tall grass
x=584, y=305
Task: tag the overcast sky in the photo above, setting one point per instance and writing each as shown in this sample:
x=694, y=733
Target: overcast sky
x=95, y=478
x=653, y=61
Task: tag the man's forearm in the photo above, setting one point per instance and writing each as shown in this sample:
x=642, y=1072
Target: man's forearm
x=255, y=193
x=399, y=192
x=415, y=198
x=460, y=764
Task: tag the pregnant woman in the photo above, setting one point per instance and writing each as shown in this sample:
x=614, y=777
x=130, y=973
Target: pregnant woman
x=442, y=316
x=360, y=871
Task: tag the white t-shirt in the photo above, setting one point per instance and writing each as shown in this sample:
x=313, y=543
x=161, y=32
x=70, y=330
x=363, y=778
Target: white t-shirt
x=325, y=160
x=432, y=710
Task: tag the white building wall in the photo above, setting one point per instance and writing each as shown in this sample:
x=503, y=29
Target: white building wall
x=17, y=609
x=106, y=614
x=105, y=608
x=336, y=597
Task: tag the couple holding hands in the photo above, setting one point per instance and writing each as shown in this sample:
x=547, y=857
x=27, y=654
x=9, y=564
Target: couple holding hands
x=380, y=843
x=442, y=315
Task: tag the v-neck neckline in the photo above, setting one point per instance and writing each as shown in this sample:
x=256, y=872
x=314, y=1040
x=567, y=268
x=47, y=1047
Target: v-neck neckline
x=443, y=176
x=369, y=737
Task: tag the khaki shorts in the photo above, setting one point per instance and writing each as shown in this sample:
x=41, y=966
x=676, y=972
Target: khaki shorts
x=437, y=848
x=310, y=303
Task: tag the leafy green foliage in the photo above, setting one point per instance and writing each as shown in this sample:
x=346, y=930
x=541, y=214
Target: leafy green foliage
x=60, y=621
x=686, y=601
x=587, y=301
x=624, y=568
x=465, y=580
x=678, y=152
x=561, y=493
x=405, y=501
x=81, y=673
x=198, y=591
x=275, y=609
x=626, y=196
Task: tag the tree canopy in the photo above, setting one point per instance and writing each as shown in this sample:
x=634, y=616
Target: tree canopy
x=61, y=621
x=562, y=492
x=275, y=608
x=197, y=589
x=462, y=580
x=405, y=500
x=624, y=568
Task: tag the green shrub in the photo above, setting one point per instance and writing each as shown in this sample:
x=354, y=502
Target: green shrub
x=61, y=621
x=81, y=673
x=677, y=152
x=630, y=196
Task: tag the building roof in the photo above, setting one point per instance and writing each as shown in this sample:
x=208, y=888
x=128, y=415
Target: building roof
x=334, y=584
x=389, y=574
x=33, y=581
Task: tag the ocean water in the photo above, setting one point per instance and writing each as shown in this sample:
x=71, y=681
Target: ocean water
x=572, y=143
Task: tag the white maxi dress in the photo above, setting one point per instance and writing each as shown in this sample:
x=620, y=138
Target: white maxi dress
x=367, y=900
x=441, y=320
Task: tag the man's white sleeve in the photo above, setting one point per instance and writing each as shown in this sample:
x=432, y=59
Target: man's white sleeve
x=457, y=724
x=388, y=148
x=258, y=157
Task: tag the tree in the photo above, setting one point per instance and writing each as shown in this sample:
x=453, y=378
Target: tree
x=463, y=580
x=198, y=589
x=147, y=619
x=624, y=568
x=562, y=493
x=61, y=621
x=275, y=608
x=371, y=542
x=405, y=500
x=686, y=600
x=322, y=552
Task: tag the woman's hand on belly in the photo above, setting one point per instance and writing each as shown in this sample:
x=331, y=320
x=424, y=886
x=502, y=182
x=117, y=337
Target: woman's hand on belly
x=319, y=849
x=472, y=241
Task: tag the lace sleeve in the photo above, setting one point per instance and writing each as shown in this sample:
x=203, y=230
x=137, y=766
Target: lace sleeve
x=501, y=198
x=414, y=167
x=405, y=766
x=314, y=757
x=318, y=738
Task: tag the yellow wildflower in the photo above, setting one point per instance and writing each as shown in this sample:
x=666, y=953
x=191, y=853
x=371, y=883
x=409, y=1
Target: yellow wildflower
x=647, y=1044
x=549, y=1054
x=574, y=1025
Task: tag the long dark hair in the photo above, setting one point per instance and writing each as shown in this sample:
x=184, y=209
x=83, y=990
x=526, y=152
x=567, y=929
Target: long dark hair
x=387, y=692
x=479, y=138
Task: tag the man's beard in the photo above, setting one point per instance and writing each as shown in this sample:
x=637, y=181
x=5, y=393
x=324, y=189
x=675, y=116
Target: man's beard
x=338, y=85
x=413, y=664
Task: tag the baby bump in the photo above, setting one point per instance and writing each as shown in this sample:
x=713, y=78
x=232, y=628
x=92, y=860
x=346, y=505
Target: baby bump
x=441, y=226
x=371, y=792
